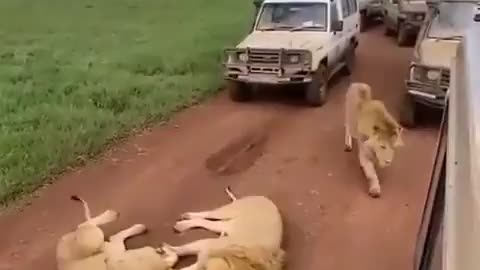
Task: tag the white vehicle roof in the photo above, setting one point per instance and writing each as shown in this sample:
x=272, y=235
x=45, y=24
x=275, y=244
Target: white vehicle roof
x=296, y=1
x=453, y=19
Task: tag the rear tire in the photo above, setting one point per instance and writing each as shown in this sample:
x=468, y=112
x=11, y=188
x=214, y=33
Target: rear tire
x=363, y=22
x=408, y=113
x=350, y=59
x=239, y=91
x=402, y=36
x=387, y=31
x=316, y=91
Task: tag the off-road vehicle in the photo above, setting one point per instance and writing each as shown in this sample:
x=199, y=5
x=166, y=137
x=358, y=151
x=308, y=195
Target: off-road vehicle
x=302, y=42
x=403, y=17
x=369, y=11
x=429, y=75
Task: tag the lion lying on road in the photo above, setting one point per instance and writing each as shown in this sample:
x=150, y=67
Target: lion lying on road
x=86, y=249
x=375, y=130
x=250, y=231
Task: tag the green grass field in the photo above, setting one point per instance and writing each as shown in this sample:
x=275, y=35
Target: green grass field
x=76, y=74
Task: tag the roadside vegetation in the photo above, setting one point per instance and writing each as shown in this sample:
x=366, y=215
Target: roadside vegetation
x=75, y=75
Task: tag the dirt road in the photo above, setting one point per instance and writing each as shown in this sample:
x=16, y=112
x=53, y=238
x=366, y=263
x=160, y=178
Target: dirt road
x=273, y=146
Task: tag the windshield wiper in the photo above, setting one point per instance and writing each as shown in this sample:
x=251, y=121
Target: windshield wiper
x=273, y=28
x=303, y=27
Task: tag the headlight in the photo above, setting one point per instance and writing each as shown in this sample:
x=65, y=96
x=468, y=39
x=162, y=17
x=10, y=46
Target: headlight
x=242, y=57
x=294, y=59
x=433, y=75
x=416, y=17
x=230, y=59
x=426, y=75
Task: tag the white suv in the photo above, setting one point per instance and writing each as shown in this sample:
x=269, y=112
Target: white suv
x=300, y=42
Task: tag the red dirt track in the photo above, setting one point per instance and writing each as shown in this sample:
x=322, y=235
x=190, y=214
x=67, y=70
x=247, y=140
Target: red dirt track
x=272, y=146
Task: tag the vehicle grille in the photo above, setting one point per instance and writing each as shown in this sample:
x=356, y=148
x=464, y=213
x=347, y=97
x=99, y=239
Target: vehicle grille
x=445, y=78
x=264, y=57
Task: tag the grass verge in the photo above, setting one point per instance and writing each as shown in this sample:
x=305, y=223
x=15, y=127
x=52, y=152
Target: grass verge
x=76, y=74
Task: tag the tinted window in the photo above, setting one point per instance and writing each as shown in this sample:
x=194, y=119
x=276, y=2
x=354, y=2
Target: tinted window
x=353, y=6
x=333, y=12
x=345, y=8
x=283, y=16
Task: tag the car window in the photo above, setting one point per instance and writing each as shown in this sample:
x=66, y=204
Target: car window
x=353, y=6
x=346, y=8
x=282, y=16
x=333, y=12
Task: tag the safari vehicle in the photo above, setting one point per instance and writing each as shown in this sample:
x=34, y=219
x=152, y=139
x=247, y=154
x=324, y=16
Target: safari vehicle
x=449, y=236
x=369, y=10
x=294, y=42
x=429, y=74
x=404, y=18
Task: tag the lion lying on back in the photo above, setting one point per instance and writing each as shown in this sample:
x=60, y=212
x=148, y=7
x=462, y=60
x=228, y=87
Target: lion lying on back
x=85, y=247
x=375, y=130
x=250, y=231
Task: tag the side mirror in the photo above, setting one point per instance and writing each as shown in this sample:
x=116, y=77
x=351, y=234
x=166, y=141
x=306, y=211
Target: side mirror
x=336, y=26
x=257, y=3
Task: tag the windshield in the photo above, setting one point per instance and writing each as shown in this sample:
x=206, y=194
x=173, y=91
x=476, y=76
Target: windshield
x=293, y=16
x=451, y=21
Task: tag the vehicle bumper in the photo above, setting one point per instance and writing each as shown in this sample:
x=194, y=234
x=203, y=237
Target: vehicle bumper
x=426, y=94
x=269, y=66
x=259, y=78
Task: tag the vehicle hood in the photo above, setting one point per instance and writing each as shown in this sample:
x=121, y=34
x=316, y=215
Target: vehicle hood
x=435, y=52
x=414, y=6
x=313, y=41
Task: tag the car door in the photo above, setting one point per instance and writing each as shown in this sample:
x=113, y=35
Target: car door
x=346, y=17
x=355, y=20
x=352, y=18
x=347, y=23
x=336, y=37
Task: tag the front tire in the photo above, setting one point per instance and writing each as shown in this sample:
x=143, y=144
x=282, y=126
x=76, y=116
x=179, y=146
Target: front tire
x=408, y=113
x=350, y=59
x=239, y=91
x=316, y=92
x=387, y=31
x=363, y=22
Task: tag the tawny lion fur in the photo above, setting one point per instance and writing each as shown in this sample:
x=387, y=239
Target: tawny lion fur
x=250, y=231
x=85, y=247
x=374, y=129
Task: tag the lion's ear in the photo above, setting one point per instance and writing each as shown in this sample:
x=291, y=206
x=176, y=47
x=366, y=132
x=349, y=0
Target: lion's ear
x=399, y=141
x=399, y=130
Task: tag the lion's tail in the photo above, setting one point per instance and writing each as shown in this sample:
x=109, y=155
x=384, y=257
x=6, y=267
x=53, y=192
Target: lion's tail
x=88, y=215
x=230, y=194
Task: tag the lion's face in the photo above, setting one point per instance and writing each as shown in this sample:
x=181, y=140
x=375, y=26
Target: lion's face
x=383, y=146
x=383, y=151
